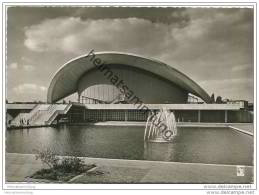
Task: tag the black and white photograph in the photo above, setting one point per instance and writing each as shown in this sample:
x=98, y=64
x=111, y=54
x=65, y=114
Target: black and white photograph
x=129, y=94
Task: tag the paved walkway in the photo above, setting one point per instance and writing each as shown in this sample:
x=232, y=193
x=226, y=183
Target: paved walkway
x=244, y=126
x=180, y=124
x=19, y=166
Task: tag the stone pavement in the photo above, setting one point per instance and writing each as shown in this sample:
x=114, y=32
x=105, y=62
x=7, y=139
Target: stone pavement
x=19, y=166
x=245, y=126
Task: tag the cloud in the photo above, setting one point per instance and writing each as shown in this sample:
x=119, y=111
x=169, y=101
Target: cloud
x=243, y=67
x=73, y=35
x=210, y=35
x=13, y=65
x=29, y=88
x=231, y=88
x=224, y=82
x=28, y=68
x=209, y=45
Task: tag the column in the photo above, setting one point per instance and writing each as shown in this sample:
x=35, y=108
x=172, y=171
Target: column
x=126, y=115
x=78, y=98
x=103, y=113
x=226, y=116
x=199, y=116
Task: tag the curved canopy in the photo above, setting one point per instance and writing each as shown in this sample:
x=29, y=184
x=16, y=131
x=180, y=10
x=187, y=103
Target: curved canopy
x=65, y=80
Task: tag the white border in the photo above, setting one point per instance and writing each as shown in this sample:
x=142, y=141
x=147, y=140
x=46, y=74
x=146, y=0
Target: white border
x=35, y=187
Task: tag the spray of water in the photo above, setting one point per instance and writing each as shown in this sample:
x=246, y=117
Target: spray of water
x=154, y=129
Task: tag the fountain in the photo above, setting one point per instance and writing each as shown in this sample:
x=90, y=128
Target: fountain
x=160, y=127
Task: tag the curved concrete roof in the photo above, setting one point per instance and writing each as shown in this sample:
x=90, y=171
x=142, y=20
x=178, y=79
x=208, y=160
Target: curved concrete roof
x=64, y=82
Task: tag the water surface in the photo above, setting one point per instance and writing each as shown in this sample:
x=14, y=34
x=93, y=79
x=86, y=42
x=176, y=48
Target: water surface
x=199, y=145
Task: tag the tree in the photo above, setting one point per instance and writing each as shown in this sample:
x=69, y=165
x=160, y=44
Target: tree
x=219, y=100
x=47, y=157
x=212, y=99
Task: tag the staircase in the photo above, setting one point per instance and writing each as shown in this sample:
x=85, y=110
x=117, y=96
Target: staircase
x=59, y=109
x=17, y=120
x=46, y=117
x=25, y=116
x=42, y=114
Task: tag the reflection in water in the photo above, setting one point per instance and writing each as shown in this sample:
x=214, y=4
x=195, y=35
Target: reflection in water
x=201, y=145
x=159, y=151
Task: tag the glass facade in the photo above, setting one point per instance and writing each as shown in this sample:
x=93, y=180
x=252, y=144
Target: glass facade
x=81, y=115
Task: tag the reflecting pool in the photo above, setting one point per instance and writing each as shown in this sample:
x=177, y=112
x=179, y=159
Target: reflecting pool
x=199, y=145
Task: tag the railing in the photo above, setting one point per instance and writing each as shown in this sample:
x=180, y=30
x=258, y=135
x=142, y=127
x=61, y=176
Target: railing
x=56, y=113
x=16, y=120
x=39, y=113
x=26, y=116
x=35, y=116
x=67, y=108
x=93, y=99
x=192, y=99
x=40, y=117
x=118, y=98
x=52, y=117
x=34, y=106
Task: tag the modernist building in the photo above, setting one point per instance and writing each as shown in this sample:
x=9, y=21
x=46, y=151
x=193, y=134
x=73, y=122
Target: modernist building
x=119, y=86
x=101, y=77
x=114, y=86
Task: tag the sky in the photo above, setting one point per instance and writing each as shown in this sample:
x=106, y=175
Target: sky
x=213, y=46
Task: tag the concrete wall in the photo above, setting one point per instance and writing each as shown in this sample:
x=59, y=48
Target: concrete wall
x=15, y=112
x=148, y=87
x=160, y=106
x=186, y=115
x=242, y=116
x=217, y=116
